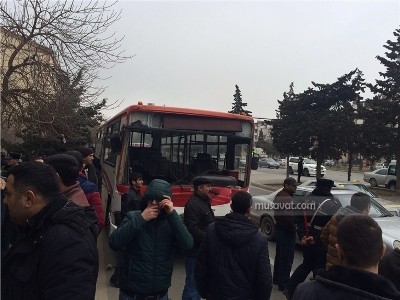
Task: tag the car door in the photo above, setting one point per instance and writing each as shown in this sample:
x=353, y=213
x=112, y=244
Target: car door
x=381, y=176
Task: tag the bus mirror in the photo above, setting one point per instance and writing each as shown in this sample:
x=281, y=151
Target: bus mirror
x=254, y=162
x=115, y=142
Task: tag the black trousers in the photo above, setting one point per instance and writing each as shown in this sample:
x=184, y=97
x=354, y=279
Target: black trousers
x=314, y=258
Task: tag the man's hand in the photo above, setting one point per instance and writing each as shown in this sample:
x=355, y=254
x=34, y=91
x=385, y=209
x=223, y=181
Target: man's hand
x=150, y=213
x=307, y=240
x=167, y=205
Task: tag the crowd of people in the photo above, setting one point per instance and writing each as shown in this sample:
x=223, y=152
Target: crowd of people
x=52, y=214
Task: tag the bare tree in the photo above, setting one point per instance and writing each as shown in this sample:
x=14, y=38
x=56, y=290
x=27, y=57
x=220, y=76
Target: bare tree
x=46, y=44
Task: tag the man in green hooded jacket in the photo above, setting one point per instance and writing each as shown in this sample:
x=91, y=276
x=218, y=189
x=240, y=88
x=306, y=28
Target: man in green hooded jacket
x=148, y=239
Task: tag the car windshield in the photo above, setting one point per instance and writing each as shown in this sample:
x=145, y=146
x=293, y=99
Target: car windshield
x=310, y=161
x=376, y=211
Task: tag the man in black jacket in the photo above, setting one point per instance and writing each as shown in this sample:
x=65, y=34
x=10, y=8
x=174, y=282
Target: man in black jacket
x=233, y=262
x=197, y=216
x=57, y=257
x=321, y=206
x=285, y=232
x=360, y=245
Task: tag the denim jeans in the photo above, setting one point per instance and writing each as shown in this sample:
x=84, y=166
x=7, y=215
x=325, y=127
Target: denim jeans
x=190, y=289
x=123, y=296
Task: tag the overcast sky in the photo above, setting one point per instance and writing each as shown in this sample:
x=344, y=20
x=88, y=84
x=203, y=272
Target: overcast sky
x=192, y=54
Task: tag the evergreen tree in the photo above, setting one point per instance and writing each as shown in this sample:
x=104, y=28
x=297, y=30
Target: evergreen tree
x=381, y=113
x=238, y=104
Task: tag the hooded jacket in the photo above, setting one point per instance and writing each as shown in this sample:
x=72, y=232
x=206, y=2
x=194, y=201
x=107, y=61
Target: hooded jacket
x=233, y=261
x=347, y=283
x=56, y=258
x=149, y=246
x=328, y=235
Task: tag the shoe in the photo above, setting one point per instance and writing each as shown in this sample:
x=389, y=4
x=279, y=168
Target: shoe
x=287, y=294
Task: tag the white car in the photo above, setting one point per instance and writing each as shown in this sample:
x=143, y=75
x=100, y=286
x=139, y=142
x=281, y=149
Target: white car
x=262, y=213
x=377, y=177
x=309, y=167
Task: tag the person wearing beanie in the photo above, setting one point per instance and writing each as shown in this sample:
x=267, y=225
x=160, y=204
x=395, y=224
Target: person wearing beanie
x=90, y=189
x=88, y=168
x=233, y=261
x=148, y=238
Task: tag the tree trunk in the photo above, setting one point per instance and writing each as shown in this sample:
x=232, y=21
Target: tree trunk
x=350, y=153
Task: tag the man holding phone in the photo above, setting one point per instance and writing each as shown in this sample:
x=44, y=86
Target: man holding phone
x=147, y=238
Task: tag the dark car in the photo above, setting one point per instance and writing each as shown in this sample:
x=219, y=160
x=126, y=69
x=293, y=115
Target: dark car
x=268, y=163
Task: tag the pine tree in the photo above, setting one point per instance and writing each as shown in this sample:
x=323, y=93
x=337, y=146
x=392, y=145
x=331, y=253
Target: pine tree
x=381, y=114
x=238, y=104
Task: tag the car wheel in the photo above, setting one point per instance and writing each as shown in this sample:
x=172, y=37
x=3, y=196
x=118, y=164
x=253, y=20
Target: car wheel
x=306, y=172
x=267, y=226
x=322, y=175
x=277, y=167
x=392, y=186
x=290, y=170
x=372, y=182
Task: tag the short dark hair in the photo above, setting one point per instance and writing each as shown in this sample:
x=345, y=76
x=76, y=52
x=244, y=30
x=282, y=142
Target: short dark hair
x=39, y=177
x=290, y=181
x=360, y=237
x=241, y=202
x=78, y=156
x=135, y=176
x=66, y=166
x=360, y=201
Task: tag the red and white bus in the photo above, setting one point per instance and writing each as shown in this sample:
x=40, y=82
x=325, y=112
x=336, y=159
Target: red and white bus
x=177, y=145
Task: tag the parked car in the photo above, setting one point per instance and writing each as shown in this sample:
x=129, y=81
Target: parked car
x=262, y=213
x=378, y=166
x=391, y=176
x=268, y=163
x=329, y=162
x=309, y=166
x=350, y=185
x=377, y=177
x=282, y=162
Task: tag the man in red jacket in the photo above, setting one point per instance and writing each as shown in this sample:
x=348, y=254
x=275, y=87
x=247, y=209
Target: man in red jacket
x=91, y=191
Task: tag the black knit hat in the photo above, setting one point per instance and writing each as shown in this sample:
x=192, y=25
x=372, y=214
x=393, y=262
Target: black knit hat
x=85, y=151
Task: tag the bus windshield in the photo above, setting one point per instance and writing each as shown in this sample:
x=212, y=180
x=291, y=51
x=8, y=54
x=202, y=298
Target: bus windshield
x=178, y=157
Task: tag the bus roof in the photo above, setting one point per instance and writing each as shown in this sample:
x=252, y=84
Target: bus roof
x=180, y=111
